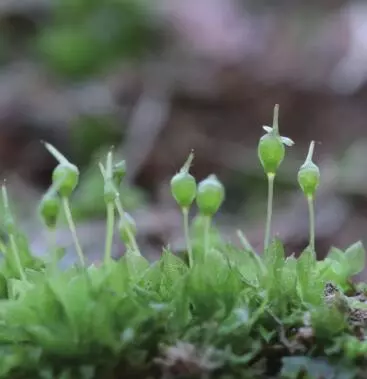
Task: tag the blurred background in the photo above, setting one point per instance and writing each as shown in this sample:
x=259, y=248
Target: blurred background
x=156, y=79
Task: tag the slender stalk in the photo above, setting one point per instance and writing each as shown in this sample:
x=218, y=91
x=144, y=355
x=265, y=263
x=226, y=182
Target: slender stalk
x=14, y=247
x=2, y=247
x=185, y=214
x=311, y=212
x=69, y=218
x=207, y=224
x=51, y=237
x=269, y=210
x=109, y=231
x=248, y=247
x=13, y=243
x=244, y=241
x=132, y=239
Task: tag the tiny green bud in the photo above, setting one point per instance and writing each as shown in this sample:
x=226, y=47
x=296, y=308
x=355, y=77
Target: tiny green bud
x=49, y=208
x=183, y=185
x=309, y=174
x=119, y=172
x=9, y=222
x=110, y=192
x=271, y=153
x=65, y=178
x=271, y=148
x=183, y=189
x=210, y=195
x=127, y=227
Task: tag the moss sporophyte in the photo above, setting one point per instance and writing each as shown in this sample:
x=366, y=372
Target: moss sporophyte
x=183, y=189
x=227, y=313
x=119, y=172
x=271, y=152
x=309, y=180
x=209, y=198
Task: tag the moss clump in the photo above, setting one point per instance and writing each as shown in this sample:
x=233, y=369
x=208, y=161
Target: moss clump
x=229, y=313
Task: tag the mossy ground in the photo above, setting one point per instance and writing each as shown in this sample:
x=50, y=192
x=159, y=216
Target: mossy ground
x=218, y=312
x=227, y=316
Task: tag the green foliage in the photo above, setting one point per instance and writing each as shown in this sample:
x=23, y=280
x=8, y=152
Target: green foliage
x=315, y=368
x=228, y=312
x=87, y=36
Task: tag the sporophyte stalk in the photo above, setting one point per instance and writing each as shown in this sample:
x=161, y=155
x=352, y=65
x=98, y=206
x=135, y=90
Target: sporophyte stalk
x=65, y=178
x=271, y=152
x=183, y=190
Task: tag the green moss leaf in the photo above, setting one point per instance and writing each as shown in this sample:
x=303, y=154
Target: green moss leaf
x=274, y=263
x=244, y=262
x=310, y=282
x=172, y=269
x=355, y=257
x=274, y=258
x=289, y=279
x=314, y=368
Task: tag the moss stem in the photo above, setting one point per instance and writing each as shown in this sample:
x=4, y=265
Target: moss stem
x=271, y=177
x=14, y=247
x=185, y=214
x=109, y=231
x=311, y=212
x=69, y=219
x=207, y=224
x=133, y=245
x=3, y=247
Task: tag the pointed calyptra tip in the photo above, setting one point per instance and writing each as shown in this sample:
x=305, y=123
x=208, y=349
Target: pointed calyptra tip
x=56, y=153
x=310, y=151
x=109, y=164
x=276, y=119
x=4, y=193
x=186, y=166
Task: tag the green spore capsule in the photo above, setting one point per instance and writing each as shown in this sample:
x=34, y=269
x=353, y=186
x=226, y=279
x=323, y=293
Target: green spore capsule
x=183, y=185
x=271, y=153
x=271, y=148
x=183, y=189
x=210, y=195
x=49, y=208
x=119, y=172
x=65, y=178
x=309, y=174
x=127, y=228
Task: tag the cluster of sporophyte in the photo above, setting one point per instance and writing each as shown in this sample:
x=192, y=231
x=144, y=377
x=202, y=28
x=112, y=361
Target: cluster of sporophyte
x=226, y=313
